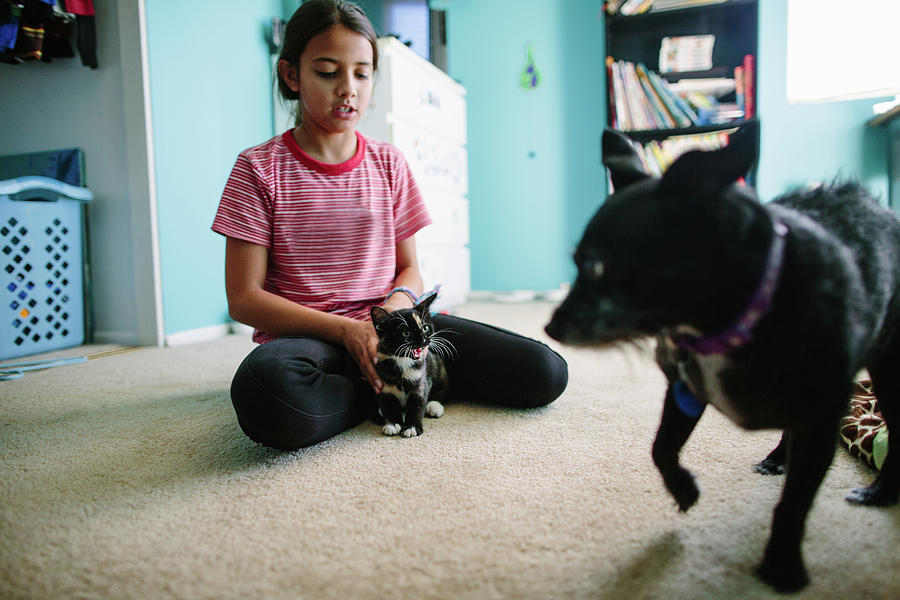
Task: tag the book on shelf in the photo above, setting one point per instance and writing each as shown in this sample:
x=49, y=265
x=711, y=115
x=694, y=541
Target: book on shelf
x=630, y=7
x=657, y=155
x=635, y=7
x=711, y=87
x=642, y=100
x=686, y=53
x=660, y=110
x=662, y=5
x=748, y=75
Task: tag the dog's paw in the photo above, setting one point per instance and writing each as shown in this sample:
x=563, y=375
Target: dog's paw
x=782, y=576
x=769, y=467
x=391, y=429
x=412, y=432
x=876, y=494
x=683, y=487
x=434, y=409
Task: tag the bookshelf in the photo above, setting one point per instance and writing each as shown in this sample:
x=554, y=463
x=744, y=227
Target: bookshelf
x=647, y=97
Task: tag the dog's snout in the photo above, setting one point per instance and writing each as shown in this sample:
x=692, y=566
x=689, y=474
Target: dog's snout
x=552, y=329
x=560, y=326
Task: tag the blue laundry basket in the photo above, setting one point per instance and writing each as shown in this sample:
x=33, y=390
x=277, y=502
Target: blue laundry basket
x=41, y=265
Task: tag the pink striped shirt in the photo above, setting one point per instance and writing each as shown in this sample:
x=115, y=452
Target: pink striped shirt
x=331, y=229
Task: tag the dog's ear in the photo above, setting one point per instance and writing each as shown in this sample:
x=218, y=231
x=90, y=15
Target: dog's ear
x=712, y=171
x=620, y=157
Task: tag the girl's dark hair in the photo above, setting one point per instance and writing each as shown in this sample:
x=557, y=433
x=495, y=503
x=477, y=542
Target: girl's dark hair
x=312, y=18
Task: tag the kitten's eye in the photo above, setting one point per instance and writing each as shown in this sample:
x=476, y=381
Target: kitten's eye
x=426, y=328
x=594, y=269
x=405, y=334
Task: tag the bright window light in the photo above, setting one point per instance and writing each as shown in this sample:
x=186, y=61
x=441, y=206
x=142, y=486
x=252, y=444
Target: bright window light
x=840, y=50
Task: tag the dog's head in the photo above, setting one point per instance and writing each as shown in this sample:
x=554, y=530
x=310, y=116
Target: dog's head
x=658, y=252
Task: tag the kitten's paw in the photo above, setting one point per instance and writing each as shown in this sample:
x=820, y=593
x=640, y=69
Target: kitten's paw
x=412, y=432
x=434, y=409
x=391, y=429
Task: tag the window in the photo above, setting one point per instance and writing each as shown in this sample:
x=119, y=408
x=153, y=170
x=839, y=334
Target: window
x=840, y=50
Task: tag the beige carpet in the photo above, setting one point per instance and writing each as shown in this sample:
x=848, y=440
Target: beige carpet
x=127, y=477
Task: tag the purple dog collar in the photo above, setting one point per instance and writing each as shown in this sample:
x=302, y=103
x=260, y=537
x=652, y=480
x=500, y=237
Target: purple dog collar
x=739, y=334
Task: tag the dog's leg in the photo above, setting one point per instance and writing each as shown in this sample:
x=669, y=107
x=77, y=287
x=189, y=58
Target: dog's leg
x=885, y=490
x=810, y=451
x=773, y=464
x=674, y=430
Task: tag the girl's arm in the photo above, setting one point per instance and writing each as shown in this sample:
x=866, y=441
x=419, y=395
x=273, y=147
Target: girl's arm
x=249, y=303
x=408, y=275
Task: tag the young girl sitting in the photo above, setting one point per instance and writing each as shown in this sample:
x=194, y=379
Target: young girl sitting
x=320, y=226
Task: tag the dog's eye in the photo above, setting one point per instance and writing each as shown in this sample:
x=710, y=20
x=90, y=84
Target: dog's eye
x=594, y=269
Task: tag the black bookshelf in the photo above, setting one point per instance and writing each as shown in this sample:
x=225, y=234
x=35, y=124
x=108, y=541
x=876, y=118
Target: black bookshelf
x=735, y=25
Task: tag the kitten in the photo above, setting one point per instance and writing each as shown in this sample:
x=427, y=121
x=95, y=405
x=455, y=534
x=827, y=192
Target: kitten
x=411, y=365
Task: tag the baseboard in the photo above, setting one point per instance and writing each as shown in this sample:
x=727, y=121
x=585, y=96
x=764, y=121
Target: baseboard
x=512, y=296
x=205, y=334
x=120, y=338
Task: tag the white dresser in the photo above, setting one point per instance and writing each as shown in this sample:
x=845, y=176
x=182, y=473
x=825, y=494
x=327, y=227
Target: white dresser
x=422, y=111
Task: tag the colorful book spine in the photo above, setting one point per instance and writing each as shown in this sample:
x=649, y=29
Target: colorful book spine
x=658, y=155
x=635, y=99
x=641, y=100
x=663, y=119
x=739, y=88
x=682, y=104
x=749, y=87
x=681, y=117
x=611, y=91
x=623, y=115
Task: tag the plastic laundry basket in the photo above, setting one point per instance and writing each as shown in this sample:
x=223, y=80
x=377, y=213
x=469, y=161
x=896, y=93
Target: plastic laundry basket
x=41, y=265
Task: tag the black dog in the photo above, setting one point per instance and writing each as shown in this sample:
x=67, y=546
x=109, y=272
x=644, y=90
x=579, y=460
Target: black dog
x=766, y=312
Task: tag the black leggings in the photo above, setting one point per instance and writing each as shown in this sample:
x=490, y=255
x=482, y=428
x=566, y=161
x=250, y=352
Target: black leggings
x=294, y=392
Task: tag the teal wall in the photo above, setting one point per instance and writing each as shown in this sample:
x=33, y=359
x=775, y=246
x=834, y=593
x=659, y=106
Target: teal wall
x=535, y=172
x=210, y=83
x=527, y=210
x=534, y=158
x=803, y=143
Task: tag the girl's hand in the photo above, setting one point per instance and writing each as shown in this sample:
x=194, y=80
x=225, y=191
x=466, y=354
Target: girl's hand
x=361, y=342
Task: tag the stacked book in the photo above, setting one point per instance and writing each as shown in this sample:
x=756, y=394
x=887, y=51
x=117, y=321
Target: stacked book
x=641, y=100
x=657, y=155
x=636, y=7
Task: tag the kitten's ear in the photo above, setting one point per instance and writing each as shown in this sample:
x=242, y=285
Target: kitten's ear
x=424, y=305
x=379, y=316
x=622, y=160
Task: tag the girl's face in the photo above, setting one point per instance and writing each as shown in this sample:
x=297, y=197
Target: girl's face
x=334, y=80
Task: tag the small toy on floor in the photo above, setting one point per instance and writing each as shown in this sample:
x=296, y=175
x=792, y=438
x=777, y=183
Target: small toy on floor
x=864, y=430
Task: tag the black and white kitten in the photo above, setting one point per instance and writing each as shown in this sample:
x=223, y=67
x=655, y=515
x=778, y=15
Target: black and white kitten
x=411, y=365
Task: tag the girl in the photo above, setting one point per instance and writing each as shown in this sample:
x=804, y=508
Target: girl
x=320, y=226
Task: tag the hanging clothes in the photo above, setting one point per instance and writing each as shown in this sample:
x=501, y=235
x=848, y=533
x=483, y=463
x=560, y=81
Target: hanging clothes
x=41, y=30
x=85, y=30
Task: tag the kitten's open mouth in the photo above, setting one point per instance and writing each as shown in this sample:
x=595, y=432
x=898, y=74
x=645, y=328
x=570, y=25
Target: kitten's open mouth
x=418, y=353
